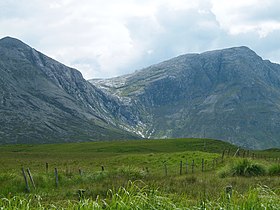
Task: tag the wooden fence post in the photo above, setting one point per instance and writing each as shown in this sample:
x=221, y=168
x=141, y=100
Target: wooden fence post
x=202, y=165
x=228, y=153
x=192, y=166
x=80, y=172
x=186, y=166
x=147, y=170
x=165, y=169
x=228, y=190
x=181, y=167
x=67, y=171
x=237, y=152
x=223, y=154
x=204, y=146
x=47, y=168
x=25, y=180
x=31, y=178
x=56, y=177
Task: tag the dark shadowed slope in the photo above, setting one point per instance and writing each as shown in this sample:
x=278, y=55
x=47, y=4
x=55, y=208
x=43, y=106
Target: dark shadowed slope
x=42, y=100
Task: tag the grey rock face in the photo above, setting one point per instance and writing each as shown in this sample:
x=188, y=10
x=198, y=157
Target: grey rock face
x=229, y=94
x=43, y=101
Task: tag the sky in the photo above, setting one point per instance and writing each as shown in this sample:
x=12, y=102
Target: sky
x=108, y=38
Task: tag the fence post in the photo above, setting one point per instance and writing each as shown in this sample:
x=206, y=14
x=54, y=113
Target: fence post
x=186, y=166
x=80, y=172
x=147, y=170
x=47, y=168
x=56, y=177
x=31, y=178
x=236, y=153
x=181, y=167
x=165, y=169
x=202, y=165
x=25, y=180
x=223, y=154
x=192, y=166
x=67, y=171
x=228, y=190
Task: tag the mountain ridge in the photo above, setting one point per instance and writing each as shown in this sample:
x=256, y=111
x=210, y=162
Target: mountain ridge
x=46, y=100
x=187, y=95
x=229, y=94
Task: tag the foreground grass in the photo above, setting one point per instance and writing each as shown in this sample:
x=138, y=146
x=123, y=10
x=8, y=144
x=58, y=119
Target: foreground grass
x=105, y=175
x=140, y=196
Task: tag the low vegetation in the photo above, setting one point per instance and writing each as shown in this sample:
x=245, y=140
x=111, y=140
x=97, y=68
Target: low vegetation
x=144, y=174
x=274, y=170
x=243, y=167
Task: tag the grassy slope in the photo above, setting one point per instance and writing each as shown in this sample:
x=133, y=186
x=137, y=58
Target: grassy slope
x=123, y=161
x=94, y=154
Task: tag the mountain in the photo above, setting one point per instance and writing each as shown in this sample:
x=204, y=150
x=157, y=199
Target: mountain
x=43, y=101
x=230, y=94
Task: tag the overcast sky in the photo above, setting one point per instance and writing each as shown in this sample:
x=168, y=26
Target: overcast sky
x=106, y=38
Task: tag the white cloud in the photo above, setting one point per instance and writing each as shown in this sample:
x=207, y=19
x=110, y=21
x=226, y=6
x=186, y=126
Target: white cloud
x=110, y=38
x=239, y=16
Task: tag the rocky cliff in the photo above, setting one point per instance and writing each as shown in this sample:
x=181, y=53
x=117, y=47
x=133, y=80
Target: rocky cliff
x=42, y=100
x=231, y=94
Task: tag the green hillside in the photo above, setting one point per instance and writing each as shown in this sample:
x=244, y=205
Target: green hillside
x=140, y=174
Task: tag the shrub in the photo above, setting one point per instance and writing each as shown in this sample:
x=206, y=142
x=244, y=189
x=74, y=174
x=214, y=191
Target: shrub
x=132, y=173
x=274, y=170
x=248, y=168
x=243, y=167
x=224, y=172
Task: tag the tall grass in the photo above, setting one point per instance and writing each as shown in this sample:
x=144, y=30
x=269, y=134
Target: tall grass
x=256, y=198
x=274, y=170
x=244, y=167
x=137, y=195
x=126, y=162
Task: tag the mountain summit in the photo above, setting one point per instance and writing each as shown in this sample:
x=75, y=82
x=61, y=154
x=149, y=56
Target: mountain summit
x=44, y=101
x=230, y=94
x=9, y=42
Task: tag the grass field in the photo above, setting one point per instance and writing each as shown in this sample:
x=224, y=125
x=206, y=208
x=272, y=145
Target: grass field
x=140, y=174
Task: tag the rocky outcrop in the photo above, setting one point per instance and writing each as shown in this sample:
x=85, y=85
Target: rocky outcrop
x=44, y=101
x=231, y=94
